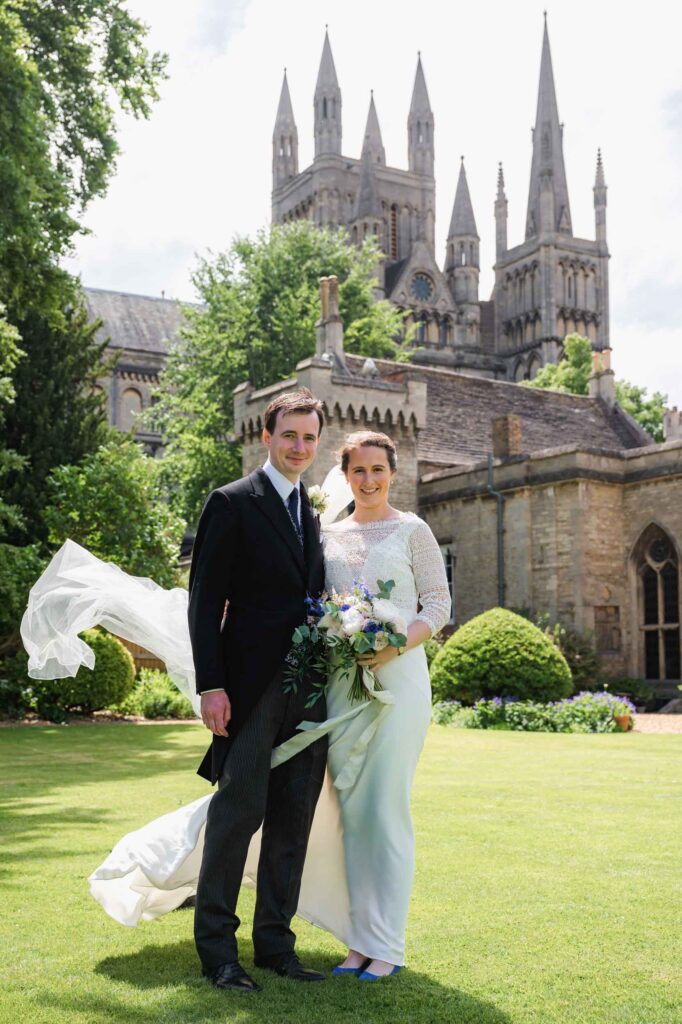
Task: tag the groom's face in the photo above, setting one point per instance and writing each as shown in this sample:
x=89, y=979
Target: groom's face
x=292, y=445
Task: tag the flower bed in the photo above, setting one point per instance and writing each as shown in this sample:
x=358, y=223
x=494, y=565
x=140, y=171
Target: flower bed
x=586, y=712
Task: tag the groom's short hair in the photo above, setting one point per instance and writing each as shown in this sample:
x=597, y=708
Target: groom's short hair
x=301, y=401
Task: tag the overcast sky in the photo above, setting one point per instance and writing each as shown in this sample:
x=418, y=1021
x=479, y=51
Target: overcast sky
x=199, y=171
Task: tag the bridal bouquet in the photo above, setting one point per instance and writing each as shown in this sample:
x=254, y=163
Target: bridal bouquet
x=338, y=628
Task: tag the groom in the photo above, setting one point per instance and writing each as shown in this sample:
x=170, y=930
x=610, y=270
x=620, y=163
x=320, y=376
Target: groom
x=258, y=553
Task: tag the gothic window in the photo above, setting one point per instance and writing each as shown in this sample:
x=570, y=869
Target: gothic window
x=471, y=253
x=334, y=108
x=450, y=562
x=289, y=146
x=462, y=255
x=324, y=108
x=393, y=244
x=426, y=129
x=420, y=137
x=131, y=407
x=659, y=604
x=570, y=288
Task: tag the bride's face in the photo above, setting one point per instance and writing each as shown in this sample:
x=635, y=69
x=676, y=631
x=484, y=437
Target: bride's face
x=369, y=476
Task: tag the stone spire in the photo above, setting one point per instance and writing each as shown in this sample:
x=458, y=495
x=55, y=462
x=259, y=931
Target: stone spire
x=284, y=140
x=500, y=215
x=420, y=127
x=599, y=191
x=462, y=253
x=327, y=105
x=372, y=138
x=367, y=205
x=548, y=206
x=462, y=221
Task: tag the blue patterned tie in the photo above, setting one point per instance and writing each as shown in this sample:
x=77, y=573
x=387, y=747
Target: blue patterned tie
x=292, y=505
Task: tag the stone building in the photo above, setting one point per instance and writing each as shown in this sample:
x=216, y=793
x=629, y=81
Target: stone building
x=553, y=502
x=139, y=330
x=546, y=287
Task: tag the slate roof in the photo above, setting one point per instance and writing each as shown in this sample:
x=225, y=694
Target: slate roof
x=138, y=323
x=460, y=410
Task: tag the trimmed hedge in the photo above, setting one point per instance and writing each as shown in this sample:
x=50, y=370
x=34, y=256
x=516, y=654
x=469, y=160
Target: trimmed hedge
x=500, y=654
x=109, y=682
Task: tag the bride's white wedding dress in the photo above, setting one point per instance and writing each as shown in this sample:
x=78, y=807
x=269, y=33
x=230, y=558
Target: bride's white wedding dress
x=361, y=841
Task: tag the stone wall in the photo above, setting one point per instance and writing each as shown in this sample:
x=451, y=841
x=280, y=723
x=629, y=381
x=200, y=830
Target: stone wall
x=571, y=523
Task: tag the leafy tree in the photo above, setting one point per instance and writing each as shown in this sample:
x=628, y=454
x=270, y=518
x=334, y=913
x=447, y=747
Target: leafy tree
x=571, y=375
x=10, y=462
x=256, y=321
x=112, y=503
x=65, y=69
x=647, y=411
x=58, y=414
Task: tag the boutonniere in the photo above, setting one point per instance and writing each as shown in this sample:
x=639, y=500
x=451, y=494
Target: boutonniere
x=318, y=499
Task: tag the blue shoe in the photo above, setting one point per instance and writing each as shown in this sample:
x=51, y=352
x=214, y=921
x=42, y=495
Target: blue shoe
x=366, y=976
x=351, y=970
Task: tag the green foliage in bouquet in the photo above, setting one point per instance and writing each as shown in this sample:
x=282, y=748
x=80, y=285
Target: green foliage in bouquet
x=500, y=653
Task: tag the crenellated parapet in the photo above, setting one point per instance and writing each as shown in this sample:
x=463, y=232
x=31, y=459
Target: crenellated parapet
x=354, y=397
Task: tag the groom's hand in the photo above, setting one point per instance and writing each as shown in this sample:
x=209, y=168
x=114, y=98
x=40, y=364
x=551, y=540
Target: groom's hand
x=216, y=711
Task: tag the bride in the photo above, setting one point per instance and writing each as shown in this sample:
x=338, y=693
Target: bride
x=360, y=861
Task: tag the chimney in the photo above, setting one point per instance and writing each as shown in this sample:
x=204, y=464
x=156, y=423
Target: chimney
x=601, y=382
x=672, y=424
x=507, y=436
x=329, y=328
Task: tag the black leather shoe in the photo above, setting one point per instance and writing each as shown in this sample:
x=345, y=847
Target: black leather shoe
x=289, y=966
x=232, y=976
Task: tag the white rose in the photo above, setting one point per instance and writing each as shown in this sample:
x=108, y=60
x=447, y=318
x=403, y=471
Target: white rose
x=352, y=621
x=386, y=611
x=380, y=641
x=331, y=624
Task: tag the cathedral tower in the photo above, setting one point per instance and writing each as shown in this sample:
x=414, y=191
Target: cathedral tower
x=553, y=283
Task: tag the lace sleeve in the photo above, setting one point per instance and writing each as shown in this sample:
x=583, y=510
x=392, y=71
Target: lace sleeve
x=430, y=579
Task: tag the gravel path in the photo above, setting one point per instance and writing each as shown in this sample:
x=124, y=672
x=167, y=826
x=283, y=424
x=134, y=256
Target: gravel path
x=658, y=723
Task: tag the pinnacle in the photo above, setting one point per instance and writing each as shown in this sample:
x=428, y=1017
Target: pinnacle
x=420, y=97
x=463, y=221
x=326, y=76
x=285, y=113
x=372, y=138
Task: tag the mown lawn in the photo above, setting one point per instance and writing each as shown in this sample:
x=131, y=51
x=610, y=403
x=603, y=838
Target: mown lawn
x=548, y=886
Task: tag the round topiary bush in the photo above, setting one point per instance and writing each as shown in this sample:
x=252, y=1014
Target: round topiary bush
x=500, y=654
x=109, y=682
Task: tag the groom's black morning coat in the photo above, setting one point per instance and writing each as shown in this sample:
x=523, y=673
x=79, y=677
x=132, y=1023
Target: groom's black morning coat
x=247, y=553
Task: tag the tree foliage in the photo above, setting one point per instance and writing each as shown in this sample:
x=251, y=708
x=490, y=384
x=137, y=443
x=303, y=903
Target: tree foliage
x=65, y=70
x=256, y=321
x=58, y=414
x=10, y=462
x=571, y=375
x=112, y=503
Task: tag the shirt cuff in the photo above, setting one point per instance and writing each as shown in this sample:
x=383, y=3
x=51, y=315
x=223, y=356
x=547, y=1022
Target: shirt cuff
x=216, y=689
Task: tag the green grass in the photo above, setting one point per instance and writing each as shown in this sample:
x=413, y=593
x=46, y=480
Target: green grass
x=547, y=888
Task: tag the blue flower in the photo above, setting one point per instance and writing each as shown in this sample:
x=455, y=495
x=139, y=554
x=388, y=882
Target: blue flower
x=372, y=627
x=344, y=607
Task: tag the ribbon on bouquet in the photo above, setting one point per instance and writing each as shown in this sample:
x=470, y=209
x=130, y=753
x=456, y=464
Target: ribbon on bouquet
x=381, y=700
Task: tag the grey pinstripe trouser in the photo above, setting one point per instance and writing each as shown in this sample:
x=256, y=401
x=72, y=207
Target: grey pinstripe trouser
x=249, y=794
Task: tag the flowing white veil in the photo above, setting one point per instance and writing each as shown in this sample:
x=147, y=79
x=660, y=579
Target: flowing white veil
x=78, y=591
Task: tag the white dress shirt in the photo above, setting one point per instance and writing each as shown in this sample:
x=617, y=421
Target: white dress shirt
x=284, y=487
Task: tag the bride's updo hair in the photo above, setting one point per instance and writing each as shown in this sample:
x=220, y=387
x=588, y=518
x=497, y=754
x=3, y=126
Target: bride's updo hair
x=368, y=439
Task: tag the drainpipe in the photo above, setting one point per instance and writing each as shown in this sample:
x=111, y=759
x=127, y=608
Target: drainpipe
x=501, y=585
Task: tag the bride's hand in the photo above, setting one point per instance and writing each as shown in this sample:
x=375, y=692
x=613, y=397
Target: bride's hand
x=377, y=659
x=216, y=711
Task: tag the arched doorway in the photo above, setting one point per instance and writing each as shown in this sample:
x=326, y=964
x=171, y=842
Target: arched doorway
x=658, y=604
